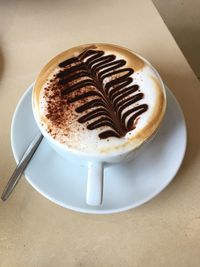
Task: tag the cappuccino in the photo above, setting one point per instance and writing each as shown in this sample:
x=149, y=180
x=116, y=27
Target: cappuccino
x=99, y=99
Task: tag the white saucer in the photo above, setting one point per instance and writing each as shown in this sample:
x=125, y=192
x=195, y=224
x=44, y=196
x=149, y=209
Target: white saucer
x=126, y=186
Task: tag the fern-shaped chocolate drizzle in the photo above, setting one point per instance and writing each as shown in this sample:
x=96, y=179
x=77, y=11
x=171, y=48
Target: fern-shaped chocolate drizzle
x=109, y=92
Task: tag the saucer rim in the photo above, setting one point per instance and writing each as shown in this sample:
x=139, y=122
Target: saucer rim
x=94, y=210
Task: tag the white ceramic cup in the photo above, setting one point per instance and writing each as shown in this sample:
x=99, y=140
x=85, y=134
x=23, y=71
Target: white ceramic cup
x=94, y=192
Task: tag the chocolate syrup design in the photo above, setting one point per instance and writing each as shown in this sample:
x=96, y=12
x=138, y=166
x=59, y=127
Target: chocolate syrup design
x=103, y=90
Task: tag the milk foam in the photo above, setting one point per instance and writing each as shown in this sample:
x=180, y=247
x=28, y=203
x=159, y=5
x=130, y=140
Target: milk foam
x=79, y=138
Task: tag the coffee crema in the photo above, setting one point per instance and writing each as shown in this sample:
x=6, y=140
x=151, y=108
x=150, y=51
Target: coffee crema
x=99, y=99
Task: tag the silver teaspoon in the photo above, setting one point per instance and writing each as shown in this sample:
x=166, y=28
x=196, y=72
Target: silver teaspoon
x=28, y=154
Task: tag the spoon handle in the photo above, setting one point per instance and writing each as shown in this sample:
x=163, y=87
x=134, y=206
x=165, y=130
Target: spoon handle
x=21, y=166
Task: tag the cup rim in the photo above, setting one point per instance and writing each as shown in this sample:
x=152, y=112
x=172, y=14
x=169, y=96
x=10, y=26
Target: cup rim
x=113, y=153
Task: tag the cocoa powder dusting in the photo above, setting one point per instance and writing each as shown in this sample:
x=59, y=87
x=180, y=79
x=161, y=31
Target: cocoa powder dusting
x=58, y=110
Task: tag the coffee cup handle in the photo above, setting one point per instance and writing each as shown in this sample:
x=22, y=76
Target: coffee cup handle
x=94, y=183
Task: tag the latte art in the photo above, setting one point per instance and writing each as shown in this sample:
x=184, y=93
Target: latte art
x=99, y=99
x=109, y=97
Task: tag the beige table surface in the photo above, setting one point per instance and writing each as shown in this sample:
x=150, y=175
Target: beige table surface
x=36, y=232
